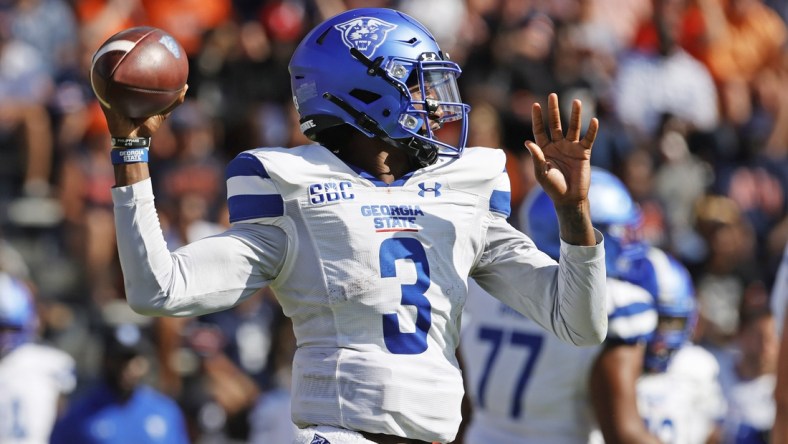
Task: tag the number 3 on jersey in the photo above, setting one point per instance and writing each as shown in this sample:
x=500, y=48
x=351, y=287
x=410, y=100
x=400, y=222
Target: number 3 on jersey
x=412, y=294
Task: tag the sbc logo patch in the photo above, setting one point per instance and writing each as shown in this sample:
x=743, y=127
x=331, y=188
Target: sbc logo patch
x=320, y=193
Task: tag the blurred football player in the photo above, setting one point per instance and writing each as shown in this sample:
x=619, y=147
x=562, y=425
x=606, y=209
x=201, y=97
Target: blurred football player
x=368, y=237
x=679, y=395
x=748, y=380
x=119, y=407
x=34, y=377
x=525, y=385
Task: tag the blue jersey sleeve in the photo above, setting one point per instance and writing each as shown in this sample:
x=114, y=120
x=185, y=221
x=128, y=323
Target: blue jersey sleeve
x=632, y=313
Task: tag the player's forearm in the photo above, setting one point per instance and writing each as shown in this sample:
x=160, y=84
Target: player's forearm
x=131, y=173
x=516, y=273
x=129, y=155
x=575, y=224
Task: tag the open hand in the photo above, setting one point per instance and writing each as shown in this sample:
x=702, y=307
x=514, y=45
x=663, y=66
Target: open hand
x=562, y=164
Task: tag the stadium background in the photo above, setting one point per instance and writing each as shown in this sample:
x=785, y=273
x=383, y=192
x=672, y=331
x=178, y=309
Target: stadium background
x=709, y=167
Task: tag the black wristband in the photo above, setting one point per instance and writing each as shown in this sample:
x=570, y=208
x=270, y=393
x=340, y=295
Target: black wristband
x=131, y=142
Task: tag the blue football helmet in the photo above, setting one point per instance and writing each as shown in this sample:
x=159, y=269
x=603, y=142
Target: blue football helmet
x=676, y=308
x=613, y=213
x=540, y=222
x=18, y=317
x=618, y=217
x=381, y=72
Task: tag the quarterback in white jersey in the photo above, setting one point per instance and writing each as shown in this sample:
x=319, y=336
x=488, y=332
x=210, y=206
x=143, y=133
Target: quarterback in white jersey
x=33, y=377
x=679, y=394
x=526, y=385
x=368, y=239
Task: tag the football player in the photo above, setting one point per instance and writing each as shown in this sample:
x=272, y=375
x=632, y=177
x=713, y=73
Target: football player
x=33, y=377
x=679, y=394
x=525, y=385
x=369, y=236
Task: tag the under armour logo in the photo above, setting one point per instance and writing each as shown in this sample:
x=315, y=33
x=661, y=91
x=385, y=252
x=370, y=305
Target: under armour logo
x=434, y=189
x=319, y=440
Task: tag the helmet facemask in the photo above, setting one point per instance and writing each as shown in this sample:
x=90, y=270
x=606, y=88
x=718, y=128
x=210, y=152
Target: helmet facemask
x=677, y=310
x=433, y=101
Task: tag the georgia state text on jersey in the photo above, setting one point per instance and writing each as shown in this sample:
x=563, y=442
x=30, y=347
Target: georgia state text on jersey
x=526, y=385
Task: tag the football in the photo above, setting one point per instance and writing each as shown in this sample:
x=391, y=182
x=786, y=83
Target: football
x=139, y=72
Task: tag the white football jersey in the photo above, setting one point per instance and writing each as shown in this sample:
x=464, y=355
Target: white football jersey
x=32, y=379
x=372, y=275
x=525, y=384
x=751, y=407
x=683, y=404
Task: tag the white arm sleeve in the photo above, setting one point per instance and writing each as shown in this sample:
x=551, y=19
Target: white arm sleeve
x=205, y=276
x=567, y=299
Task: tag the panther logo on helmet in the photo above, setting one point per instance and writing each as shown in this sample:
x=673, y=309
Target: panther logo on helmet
x=364, y=33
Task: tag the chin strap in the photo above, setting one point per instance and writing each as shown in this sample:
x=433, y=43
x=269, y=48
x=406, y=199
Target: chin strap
x=423, y=153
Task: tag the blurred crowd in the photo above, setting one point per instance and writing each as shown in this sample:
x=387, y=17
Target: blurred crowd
x=692, y=98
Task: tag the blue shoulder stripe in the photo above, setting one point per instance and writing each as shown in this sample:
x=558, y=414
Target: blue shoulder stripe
x=251, y=192
x=254, y=206
x=631, y=310
x=501, y=202
x=246, y=164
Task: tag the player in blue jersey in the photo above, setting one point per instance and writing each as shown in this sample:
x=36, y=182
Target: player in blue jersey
x=368, y=236
x=529, y=387
x=119, y=407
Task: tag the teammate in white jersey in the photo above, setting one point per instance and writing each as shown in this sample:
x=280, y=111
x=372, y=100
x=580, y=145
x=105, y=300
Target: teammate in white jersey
x=527, y=386
x=679, y=395
x=33, y=377
x=368, y=238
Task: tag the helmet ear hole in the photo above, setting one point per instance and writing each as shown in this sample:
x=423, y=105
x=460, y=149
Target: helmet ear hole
x=365, y=96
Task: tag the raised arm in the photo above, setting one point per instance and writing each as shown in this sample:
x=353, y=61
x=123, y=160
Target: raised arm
x=562, y=165
x=208, y=275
